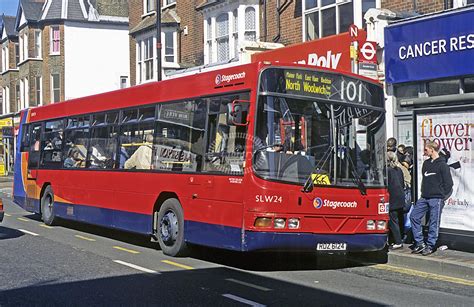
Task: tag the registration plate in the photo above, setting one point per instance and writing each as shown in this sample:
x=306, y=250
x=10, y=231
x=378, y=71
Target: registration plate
x=331, y=246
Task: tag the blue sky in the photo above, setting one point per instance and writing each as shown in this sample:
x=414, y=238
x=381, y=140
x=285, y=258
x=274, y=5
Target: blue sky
x=8, y=7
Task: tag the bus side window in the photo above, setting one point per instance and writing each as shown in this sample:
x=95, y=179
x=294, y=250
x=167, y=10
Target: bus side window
x=25, y=139
x=52, y=144
x=180, y=136
x=225, y=142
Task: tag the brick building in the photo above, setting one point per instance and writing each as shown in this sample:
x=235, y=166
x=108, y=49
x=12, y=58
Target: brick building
x=56, y=47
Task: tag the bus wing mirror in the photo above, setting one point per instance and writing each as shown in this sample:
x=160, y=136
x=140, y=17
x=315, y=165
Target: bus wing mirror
x=237, y=113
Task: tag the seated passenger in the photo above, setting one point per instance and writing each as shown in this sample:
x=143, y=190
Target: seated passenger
x=141, y=158
x=74, y=159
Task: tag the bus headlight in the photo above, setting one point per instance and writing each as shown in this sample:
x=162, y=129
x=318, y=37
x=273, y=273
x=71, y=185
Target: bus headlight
x=381, y=225
x=263, y=222
x=293, y=223
x=370, y=225
x=279, y=223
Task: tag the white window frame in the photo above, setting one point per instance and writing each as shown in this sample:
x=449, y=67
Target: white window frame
x=5, y=57
x=51, y=41
x=167, y=3
x=23, y=40
x=149, y=7
x=17, y=54
x=39, y=92
x=38, y=44
x=174, y=34
x=6, y=100
x=210, y=27
x=57, y=88
x=141, y=61
x=357, y=15
x=461, y=3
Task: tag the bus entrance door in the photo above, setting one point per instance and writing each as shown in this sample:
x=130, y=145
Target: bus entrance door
x=31, y=188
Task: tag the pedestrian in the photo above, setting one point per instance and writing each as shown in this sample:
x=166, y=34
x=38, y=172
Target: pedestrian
x=396, y=199
x=392, y=144
x=436, y=185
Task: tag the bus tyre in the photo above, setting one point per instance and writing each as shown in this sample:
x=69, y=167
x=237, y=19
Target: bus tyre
x=47, y=206
x=171, y=228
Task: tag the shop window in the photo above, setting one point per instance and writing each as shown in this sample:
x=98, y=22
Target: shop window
x=444, y=87
x=407, y=90
x=469, y=85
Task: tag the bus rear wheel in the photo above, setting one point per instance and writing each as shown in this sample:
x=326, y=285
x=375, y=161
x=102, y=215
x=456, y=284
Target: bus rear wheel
x=47, y=206
x=171, y=228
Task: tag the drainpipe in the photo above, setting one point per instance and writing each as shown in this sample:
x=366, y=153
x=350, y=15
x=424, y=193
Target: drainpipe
x=264, y=20
x=277, y=37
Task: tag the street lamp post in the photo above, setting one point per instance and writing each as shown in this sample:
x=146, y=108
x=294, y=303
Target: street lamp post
x=158, y=38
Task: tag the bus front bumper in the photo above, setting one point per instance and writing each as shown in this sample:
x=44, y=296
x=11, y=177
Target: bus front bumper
x=308, y=242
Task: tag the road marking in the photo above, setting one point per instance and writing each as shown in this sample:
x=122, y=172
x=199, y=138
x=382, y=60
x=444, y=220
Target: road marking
x=178, y=265
x=46, y=226
x=6, y=214
x=84, y=238
x=22, y=219
x=455, y=280
x=248, y=284
x=136, y=267
x=126, y=250
x=242, y=300
x=28, y=232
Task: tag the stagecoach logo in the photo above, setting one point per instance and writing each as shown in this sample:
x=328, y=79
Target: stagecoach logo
x=227, y=78
x=319, y=203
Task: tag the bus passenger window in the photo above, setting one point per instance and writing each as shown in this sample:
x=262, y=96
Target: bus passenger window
x=52, y=144
x=136, y=141
x=75, y=148
x=103, y=143
x=180, y=136
x=226, y=143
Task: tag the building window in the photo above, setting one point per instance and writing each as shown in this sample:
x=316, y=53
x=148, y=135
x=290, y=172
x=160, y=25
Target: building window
x=145, y=59
x=17, y=54
x=23, y=47
x=38, y=91
x=148, y=58
x=55, y=88
x=37, y=44
x=209, y=40
x=168, y=2
x=55, y=40
x=4, y=57
x=328, y=17
x=169, y=47
x=250, y=24
x=225, y=31
x=222, y=37
x=235, y=32
x=139, y=62
x=17, y=96
x=149, y=6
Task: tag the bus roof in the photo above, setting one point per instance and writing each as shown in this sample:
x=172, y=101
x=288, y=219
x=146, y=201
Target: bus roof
x=232, y=79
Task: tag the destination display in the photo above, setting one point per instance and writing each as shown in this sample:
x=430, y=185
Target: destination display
x=324, y=85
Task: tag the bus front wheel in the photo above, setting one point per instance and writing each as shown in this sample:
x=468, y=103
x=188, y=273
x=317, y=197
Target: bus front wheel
x=47, y=206
x=171, y=228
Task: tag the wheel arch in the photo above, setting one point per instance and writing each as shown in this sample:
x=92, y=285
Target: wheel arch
x=43, y=188
x=156, y=208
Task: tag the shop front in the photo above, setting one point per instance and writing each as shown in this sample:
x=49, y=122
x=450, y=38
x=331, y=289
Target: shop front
x=429, y=65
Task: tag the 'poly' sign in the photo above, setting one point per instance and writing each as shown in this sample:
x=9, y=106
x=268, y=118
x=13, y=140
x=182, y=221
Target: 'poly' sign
x=329, y=52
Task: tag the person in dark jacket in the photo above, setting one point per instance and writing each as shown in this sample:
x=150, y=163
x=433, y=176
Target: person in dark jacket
x=436, y=185
x=396, y=201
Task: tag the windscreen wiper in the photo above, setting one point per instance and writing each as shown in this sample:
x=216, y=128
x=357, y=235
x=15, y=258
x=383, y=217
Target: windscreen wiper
x=309, y=183
x=357, y=180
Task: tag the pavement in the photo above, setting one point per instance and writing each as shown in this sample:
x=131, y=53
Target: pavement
x=452, y=263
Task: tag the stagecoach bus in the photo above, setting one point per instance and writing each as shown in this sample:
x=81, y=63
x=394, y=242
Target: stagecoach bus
x=253, y=157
